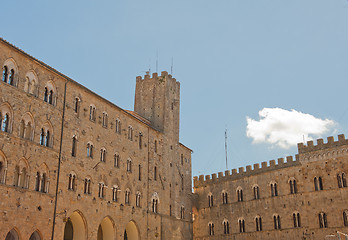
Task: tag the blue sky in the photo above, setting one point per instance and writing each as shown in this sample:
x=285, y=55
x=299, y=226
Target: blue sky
x=233, y=59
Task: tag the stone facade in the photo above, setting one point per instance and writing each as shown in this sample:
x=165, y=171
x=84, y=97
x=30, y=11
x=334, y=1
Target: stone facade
x=302, y=198
x=74, y=165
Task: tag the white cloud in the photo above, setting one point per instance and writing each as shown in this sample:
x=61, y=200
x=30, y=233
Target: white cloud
x=284, y=128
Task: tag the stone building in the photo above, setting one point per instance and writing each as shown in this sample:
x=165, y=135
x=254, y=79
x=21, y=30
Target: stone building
x=76, y=166
x=301, y=198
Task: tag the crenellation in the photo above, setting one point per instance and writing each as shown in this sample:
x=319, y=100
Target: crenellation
x=256, y=166
x=311, y=147
x=248, y=170
x=164, y=73
x=154, y=75
x=227, y=173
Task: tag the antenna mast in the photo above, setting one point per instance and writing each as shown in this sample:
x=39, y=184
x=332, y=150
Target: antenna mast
x=171, y=68
x=226, y=147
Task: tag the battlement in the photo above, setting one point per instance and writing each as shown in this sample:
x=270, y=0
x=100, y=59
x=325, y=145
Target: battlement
x=164, y=74
x=310, y=147
x=248, y=171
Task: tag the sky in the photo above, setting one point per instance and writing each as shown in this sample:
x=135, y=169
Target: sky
x=273, y=73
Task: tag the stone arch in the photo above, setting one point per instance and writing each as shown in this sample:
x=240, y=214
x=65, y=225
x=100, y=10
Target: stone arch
x=75, y=227
x=11, y=64
x=106, y=229
x=6, y=112
x=3, y=167
x=42, y=178
x=50, y=93
x=36, y=235
x=46, y=134
x=31, y=83
x=13, y=234
x=27, y=126
x=22, y=173
x=131, y=231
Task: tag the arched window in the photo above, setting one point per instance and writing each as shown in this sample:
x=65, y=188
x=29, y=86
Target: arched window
x=116, y=160
x=345, y=218
x=31, y=83
x=293, y=186
x=101, y=192
x=73, y=148
x=137, y=199
x=318, y=183
x=127, y=196
x=44, y=183
x=224, y=197
x=4, y=74
x=154, y=204
x=297, y=220
x=276, y=221
x=87, y=186
x=26, y=126
x=72, y=182
x=46, y=95
x=274, y=189
x=182, y=212
x=50, y=97
x=21, y=176
x=211, y=229
x=90, y=150
x=92, y=113
x=77, y=105
x=258, y=223
x=140, y=140
x=322, y=220
x=105, y=119
x=42, y=137
x=12, y=235
x=11, y=77
x=3, y=168
x=5, y=123
x=47, y=138
x=341, y=180
x=239, y=194
x=139, y=172
x=129, y=165
x=114, y=193
x=210, y=200
x=130, y=133
x=103, y=155
x=38, y=181
x=50, y=93
x=118, y=126
x=241, y=224
x=256, y=192
x=226, y=227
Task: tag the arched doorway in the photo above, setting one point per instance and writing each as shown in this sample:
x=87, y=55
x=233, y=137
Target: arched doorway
x=35, y=236
x=131, y=232
x=106, y=230
x=12, y=235
x=75, y=228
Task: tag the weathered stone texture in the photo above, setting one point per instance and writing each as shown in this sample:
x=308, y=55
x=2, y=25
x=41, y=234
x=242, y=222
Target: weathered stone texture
x=27, y=210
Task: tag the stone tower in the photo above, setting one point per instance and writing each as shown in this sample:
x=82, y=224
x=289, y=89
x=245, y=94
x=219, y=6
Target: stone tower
x=158, y=100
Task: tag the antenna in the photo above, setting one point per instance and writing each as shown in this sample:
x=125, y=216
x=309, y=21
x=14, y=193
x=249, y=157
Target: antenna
x=171, y=68
x=226, y=146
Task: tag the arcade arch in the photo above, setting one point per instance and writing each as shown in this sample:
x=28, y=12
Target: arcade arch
x=75, y=228
x=106, y=230
x=131, y=232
